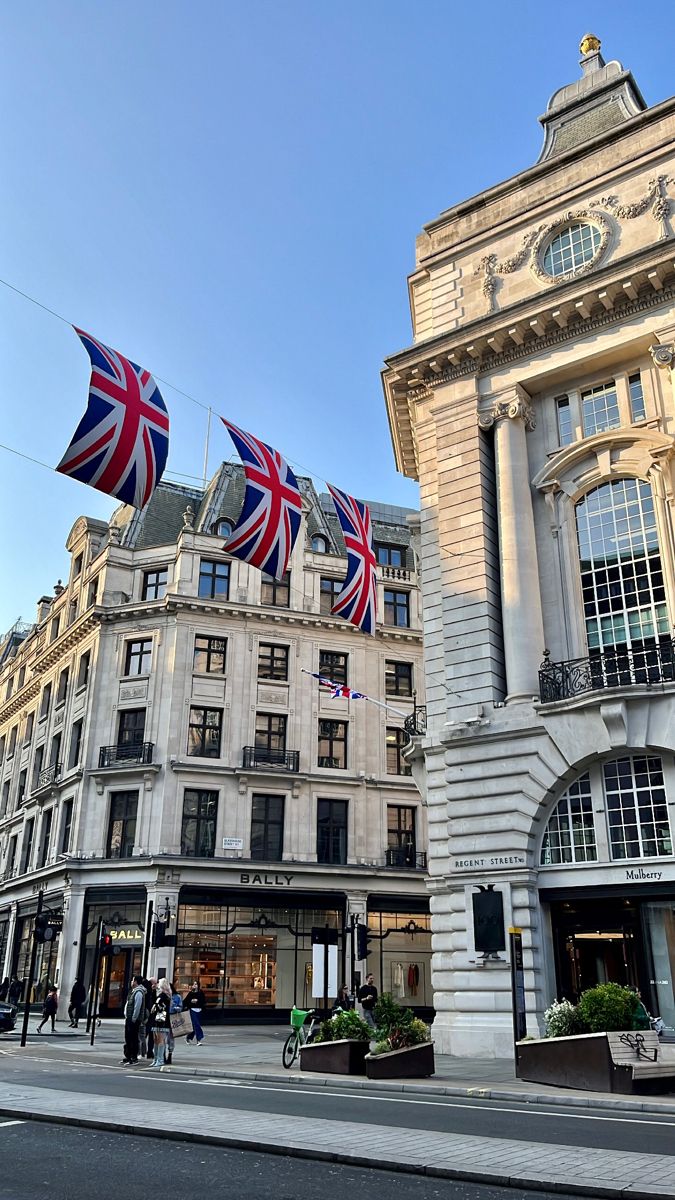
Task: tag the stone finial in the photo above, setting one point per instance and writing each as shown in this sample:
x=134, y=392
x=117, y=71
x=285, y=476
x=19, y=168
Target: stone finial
x=58, y=588
x=589, y=43
x=189, y=518
x=114, y=535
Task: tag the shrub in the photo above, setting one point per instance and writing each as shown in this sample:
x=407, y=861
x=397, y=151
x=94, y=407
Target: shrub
x=397, y=1028
x=609, y=1006
x=563, y=1019
x=347, y=1024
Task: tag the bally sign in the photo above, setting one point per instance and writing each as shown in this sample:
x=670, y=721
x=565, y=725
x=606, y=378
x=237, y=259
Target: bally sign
x=265, y=880
x=125, y=935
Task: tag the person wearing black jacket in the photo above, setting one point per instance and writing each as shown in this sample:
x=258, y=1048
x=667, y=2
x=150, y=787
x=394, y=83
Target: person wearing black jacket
x=160, y=1022
x=195, y=1003
x=78, y=996
x=367, y=998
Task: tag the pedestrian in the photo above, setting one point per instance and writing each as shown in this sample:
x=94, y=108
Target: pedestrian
x=160, y=1022
x=343, y=1001
x=195, y=1003
x=176, y=1006
x=146, y=1040
x=51, y=1003
x=134, y=1019
x=78, y=995
x=4, y=988
x=367, y=997
x=15, y=990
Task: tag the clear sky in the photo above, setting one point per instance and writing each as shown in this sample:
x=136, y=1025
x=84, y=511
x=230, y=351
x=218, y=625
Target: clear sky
x=229, y=193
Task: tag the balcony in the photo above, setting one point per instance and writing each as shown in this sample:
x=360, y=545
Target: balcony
x=415, y=725
x=49, y=776
x=401, y=574
x=263, y=756
x=615, y=667
x=405, y=858
x=135, y=752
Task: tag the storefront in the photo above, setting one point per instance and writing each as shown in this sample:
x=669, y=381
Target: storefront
x=253, y=955
x=123, y=915
x=400, y=950
x=45, y=974
x=602, y=934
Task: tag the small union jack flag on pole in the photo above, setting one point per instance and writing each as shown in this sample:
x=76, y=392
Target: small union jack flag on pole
x=357, y=602
x=270, y=518
x=338, y=691
x=121, y=444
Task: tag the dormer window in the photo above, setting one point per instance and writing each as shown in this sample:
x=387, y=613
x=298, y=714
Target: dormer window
x=77, y=566
x=223, y=528
x=319, y=544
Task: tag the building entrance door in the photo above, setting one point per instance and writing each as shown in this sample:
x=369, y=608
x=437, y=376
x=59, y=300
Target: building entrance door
x=116, y=974
x=595, y=942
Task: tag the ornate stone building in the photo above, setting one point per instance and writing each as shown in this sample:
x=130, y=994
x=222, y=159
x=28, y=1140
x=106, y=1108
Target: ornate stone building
x=535, y=406
x=166, y=755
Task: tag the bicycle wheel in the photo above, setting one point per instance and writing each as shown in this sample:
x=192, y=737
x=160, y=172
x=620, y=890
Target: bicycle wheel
x=290, y=1050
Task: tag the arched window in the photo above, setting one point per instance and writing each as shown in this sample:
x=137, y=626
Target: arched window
x=223, y=528
x=621, y=575
x=319, y=544
x=637, y=810
x=570, y=833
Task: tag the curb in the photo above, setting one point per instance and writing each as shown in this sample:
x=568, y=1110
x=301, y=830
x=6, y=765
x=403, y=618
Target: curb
x=354, y=1160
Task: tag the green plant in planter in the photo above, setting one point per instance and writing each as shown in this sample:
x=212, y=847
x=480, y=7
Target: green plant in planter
x=563, y=1019
x=607, y=1007
x=396, y=1027
x=347, y=1024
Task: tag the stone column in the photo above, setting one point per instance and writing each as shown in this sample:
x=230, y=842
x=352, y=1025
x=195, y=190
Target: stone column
x=523, y=629
x=70, y=944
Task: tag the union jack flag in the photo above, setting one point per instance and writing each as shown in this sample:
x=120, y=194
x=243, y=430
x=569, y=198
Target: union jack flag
x=121, y=444
x=339, y=691
x=357, y=602
x=270, y=518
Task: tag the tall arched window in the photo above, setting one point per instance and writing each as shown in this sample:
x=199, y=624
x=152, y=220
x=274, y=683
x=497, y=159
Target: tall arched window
x=570, y=833
x=621, y=576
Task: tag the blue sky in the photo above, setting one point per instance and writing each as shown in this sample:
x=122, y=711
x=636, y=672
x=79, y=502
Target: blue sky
x=229, y=194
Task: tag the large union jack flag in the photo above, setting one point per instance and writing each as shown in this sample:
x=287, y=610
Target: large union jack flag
x=270, y=518
x=122, y=442
x=357, y=602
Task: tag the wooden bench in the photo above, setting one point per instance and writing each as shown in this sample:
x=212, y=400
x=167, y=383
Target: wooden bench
x=637, y=1058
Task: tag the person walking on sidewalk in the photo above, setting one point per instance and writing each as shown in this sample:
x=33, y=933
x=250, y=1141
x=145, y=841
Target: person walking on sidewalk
x=78, y=996
x=160, y=1022
x=175, y=1006
x=194, y=1003
x=367, y=998
x=134, y=1017
x=51, y=1003
x=15, y=990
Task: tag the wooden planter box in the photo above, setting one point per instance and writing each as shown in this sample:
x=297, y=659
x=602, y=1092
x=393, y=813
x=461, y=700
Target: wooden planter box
x=346, y=1057
x=415, y=1062
x=583, y=1061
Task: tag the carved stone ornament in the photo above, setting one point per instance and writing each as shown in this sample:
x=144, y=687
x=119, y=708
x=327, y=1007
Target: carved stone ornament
x=655, y=198
x=507, y=408
x=546, y=232
x=491, y=267
x=663, y=356
x=189, y=519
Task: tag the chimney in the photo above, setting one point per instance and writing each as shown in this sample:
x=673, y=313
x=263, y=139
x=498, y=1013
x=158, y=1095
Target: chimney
x=43, y=606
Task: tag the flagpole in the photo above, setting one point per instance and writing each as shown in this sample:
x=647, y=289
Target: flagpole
x=206, y=447
x=380, y=703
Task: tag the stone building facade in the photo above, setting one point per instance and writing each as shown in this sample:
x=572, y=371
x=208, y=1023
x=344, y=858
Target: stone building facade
x=166, y=757
x=535, y=406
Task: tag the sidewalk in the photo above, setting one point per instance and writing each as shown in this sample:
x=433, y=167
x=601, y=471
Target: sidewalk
x=253, y=1052
x=497, y=1161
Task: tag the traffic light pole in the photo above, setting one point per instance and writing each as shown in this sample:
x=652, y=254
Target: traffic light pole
x=93, y=992
x=31, y=973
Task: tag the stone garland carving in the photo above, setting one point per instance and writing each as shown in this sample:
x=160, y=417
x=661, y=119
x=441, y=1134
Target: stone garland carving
x=507, y=408
x=655, y=199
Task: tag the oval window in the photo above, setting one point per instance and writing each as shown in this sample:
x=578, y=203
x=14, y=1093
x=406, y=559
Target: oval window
x=573, y=247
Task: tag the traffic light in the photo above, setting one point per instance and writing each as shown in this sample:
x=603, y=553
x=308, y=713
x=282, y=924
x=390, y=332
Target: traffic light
x=363, y=937
x=105, y=944
x=158, y=937
x=44, y=932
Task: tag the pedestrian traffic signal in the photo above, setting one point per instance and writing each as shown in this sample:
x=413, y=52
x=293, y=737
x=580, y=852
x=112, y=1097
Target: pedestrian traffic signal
x=44, y=932
x=158, y=934
x=363, y=938
x=105, y=944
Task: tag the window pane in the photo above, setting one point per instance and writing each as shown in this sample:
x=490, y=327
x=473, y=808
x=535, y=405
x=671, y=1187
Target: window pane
x=570, y=832
x=637, y=808
x=600, y=409
x=637, y=400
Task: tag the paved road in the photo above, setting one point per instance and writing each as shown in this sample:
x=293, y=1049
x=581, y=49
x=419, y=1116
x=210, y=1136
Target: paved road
x=60, y=1163
x=644, y=1133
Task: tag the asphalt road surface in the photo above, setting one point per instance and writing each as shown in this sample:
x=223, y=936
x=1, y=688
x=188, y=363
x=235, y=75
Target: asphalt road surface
x=54, y=1162
x=645, y=1133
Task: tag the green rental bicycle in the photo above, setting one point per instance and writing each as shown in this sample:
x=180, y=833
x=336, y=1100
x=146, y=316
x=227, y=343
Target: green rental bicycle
x=301, y=1033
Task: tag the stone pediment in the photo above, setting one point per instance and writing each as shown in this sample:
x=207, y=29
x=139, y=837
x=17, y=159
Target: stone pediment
x=632, y=451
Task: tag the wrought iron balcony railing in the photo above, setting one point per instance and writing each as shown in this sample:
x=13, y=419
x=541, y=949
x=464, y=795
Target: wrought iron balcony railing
x=615, y=666
x=133, y=752
x=49, y=775
x=406, y=858
x=415, y=725
x=263, y=756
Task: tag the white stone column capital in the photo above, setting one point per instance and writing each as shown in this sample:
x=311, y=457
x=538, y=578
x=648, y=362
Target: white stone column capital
x=512, y=404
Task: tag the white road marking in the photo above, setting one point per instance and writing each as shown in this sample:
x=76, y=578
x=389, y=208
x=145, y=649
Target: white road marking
x=4, y=1124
